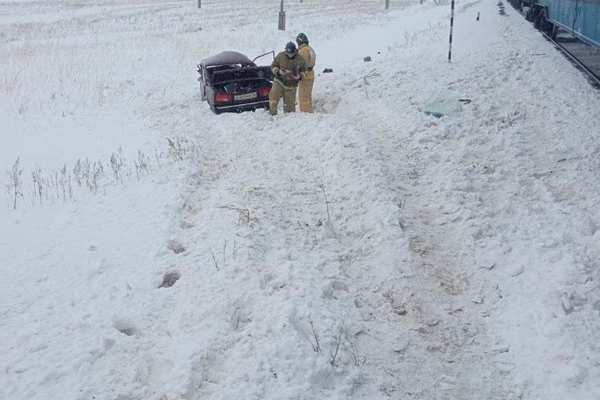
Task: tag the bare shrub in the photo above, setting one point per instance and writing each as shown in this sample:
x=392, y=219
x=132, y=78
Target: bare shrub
x=78, y=172
x=177, y=149
x=15, y=187
x=64, y=182
x=38, y=183
x=337, y=343
x=96, y=176
x=55, y=183
x=117, y=162
x=316, y=345
x=59, y=184
x=355, y=355
x=141, y=165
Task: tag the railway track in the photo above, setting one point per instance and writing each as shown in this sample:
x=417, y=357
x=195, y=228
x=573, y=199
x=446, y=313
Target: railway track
x=585, y=57
x=591, y=69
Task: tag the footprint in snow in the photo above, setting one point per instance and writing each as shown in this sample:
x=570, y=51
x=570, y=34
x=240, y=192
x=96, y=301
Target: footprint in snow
x=126, y=326
x=169, y=279
x=175, y=246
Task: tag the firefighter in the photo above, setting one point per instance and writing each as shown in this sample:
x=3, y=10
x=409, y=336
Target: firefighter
x=287, y=68
x=308, y=78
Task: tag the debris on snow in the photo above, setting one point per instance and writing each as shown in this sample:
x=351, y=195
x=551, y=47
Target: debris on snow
x=240, y=316
x=566, y=304
x=442, y=104
x=435, y=348
x=332, y=289
x=186, y=225
x=433, y=322
x=516, y=270
x=470, y=330
x=401, y=345
x=455, y=310
x=572, y=301
x=501, y=349
x=499, y=292
x=399, y=309
x=489, y=267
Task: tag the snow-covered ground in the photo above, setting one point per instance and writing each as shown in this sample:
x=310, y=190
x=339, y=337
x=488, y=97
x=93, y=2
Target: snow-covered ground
x=367, y=250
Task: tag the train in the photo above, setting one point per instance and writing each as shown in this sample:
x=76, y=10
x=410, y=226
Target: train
x=580, y=18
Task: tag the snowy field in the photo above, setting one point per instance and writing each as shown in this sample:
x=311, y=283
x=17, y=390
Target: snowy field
x=367, y=250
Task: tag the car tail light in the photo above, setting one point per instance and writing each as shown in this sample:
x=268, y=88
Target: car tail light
x=221, y=97
x=263, y=91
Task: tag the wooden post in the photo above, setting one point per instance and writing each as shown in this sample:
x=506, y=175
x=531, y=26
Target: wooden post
x=281, y=18
x=451, y=28
x=199, y=3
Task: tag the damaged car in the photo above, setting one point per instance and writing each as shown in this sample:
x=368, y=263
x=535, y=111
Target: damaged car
x=231, y=82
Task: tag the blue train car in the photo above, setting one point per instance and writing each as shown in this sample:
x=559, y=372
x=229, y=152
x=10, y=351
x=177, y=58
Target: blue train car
x=579, y=17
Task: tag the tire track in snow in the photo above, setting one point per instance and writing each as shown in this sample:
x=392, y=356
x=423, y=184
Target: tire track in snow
x=451, y=352
x=296, y=256
x=410, y=313
x=351, y=268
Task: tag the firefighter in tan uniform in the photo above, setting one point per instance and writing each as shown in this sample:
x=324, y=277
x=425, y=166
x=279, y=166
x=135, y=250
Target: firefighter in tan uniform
x=308, y=78
x=287, y=68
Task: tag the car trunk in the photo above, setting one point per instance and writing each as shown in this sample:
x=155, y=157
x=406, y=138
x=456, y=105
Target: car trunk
x=242, y=82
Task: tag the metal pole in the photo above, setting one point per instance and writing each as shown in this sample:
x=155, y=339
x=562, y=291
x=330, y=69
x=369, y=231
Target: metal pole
x=387, y=4
x=199, y=3
x=451, y=28
x=281, y=18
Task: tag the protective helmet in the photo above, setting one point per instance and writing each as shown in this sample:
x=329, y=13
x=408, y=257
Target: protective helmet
x=290, y=49
x=301, y=39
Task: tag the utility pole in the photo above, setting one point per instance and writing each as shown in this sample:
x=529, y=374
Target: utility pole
x=281, y=18
x=199, y=3
x=387, y=4
x=451, y=28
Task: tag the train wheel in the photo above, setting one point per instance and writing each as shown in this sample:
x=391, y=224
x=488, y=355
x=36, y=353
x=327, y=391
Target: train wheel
x=546, y=26
x=540, y=21
x=554, y=32
x=551, y=30
x=537, y=19
x=530, y=15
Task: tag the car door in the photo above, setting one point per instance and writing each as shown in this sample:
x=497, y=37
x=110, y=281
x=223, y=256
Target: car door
x=202, y=80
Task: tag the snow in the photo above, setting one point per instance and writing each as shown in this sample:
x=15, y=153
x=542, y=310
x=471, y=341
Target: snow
x=367, y=250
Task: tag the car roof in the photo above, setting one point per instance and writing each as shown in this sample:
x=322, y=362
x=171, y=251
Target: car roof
x=227, y=57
